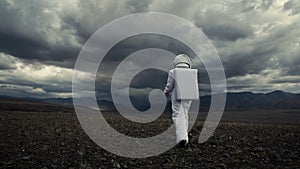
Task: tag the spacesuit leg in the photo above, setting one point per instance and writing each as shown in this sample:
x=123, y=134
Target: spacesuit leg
x=180, y=118
x=186, y=107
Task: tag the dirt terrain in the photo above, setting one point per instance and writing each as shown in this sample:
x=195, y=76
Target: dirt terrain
x=56, y=140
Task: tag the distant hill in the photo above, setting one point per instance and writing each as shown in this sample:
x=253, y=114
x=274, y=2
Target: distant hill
x=257, y=101
x=242, y=101
x=29, y=104
x=103, y=104
x=61, y=101
x=276, y=100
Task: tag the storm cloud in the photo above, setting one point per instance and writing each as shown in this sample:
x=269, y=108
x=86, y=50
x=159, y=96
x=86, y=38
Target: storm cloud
x=258, y=43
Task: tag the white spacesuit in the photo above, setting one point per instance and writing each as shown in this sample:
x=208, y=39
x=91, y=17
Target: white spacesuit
x=180, y=108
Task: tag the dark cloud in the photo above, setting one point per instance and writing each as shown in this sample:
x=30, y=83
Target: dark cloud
x=7, y=62
x=28, y=32
x=54, y=32
x=6, y=66
x=217, y=25
x=34, y=50
x=21, y=91
x=292, y=6
x=256, y=5
x=149, y=78
x=289, y=79
x=245, y=61
x=48, y=86
x=139, y=5
x=258, y=43
x=239, y=87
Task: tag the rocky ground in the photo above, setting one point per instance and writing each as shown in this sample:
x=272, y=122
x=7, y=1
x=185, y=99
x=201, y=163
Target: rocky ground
x=56, y=140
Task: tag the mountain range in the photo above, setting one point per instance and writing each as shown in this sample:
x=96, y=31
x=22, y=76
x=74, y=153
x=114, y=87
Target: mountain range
x=276, y=100
x=242, y=101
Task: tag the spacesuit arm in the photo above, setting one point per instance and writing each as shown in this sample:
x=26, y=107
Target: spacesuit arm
x=170, y=83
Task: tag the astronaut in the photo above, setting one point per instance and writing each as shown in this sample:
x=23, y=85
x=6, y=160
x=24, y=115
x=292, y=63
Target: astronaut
x=180, y=107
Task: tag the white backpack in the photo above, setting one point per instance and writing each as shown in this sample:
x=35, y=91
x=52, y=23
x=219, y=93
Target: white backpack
x=186, y=84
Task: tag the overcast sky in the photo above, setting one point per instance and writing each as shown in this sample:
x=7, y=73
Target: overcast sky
x=258, y=42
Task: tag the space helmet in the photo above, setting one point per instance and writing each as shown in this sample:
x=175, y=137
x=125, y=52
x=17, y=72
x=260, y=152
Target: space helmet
x=182, y=60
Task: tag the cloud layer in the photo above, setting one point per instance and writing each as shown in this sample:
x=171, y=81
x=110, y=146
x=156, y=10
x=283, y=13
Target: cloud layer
x=258, y=43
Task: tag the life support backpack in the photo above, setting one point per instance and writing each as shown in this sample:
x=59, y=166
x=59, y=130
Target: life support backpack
x=186, y=83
